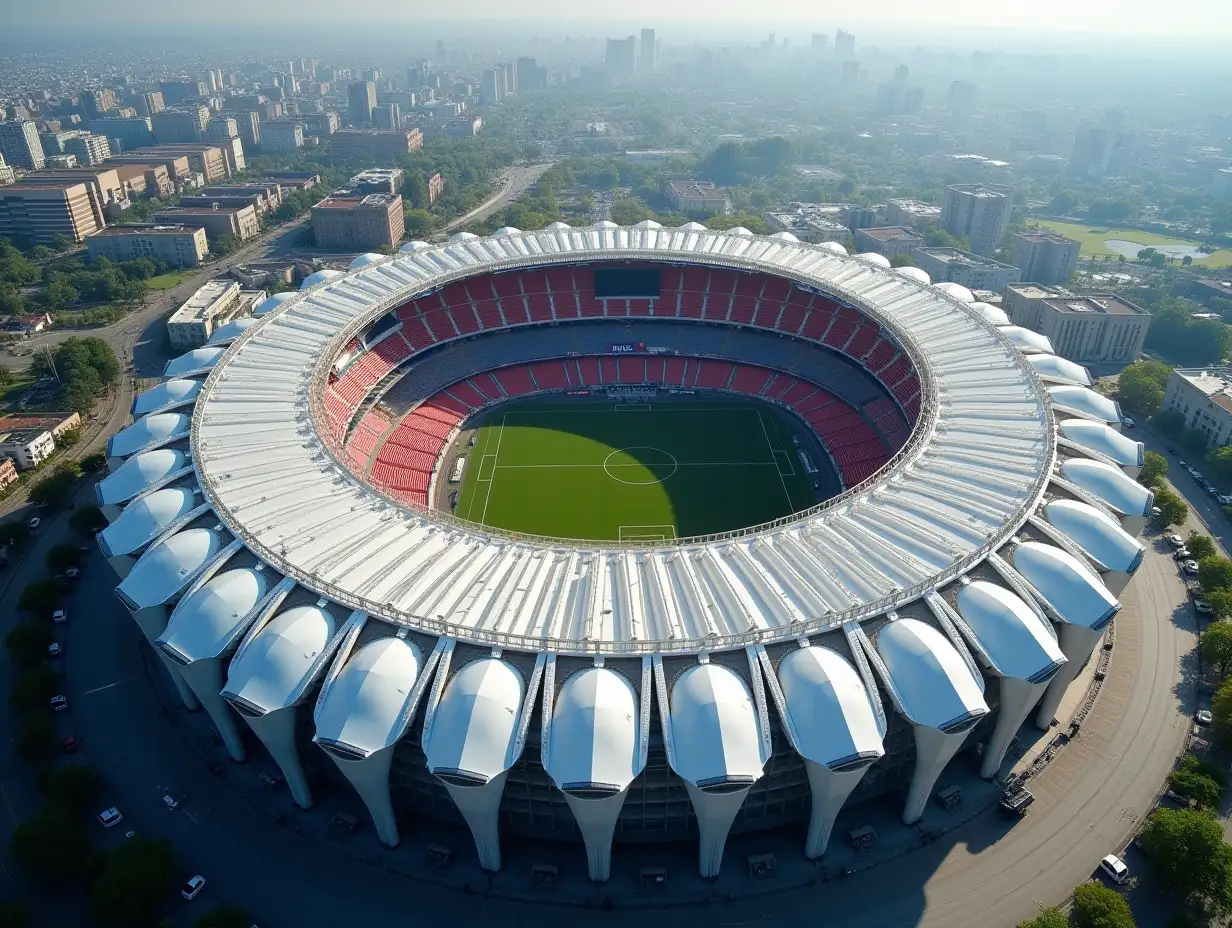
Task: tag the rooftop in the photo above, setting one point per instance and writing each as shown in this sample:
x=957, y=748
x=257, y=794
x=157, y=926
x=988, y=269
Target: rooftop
x=893, y=234
x=369, y=201
x=916, y=207
x=1108, y=304
x=165, y=229
x=702, y=189
x=1036, y=235
x=195, y=307
x=955, y=256
x=1215, y=382
x=200, y=210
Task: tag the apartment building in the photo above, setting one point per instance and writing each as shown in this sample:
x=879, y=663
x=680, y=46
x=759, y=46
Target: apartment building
x=179, y=246
x=35, y=214
x=1088, y=328
x=355, y=223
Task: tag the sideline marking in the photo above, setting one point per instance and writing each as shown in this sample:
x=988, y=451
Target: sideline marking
x=483, y=519
x=107, y=686
x=770, y=448
x=638, y=533
x=779, y=458
x=485, y=466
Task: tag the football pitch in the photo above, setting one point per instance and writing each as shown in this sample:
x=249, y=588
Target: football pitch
x=602, y=471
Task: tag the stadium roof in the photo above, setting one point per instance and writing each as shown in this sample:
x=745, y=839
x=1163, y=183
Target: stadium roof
x=970, y=476
x=829, y=708
x=274, y=663
x=594, y=732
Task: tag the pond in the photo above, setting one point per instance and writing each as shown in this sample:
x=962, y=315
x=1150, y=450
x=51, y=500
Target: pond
x=1176, y=250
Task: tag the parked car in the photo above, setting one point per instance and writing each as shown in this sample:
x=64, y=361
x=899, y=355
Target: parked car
x=1180, y=554
x=1169, y=449
x=109, y=818
x=1183, y=464
x=1176, y=541
x=68, y=744
x=34, y=523
x=1202, y=607
x=1156, y=511
x=60, y=616
x=1115, y=868
x=170, y=802
x=54, y=649
x=1203, y=717
x=58, y=703
x=1128, y=422
x=1190, y=568
x=193, y=887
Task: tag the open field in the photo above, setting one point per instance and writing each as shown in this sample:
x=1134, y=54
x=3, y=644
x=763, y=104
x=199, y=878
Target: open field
x=601, y=471
x=171, y=279
x=1094, y=238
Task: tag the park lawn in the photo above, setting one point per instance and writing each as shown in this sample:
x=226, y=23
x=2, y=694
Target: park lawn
x=22, y=379
x=1093, y=235
x=606, y=472
x=171, y=279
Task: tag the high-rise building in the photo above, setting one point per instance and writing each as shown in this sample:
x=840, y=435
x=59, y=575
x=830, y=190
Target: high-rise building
x=531, y=76
x=1092, y=151
x=386, y=116
x=88, y=147
x=35, y=214
x=1045, y=257
x=147, y=104
x=979, y=213
x=820, y=42
x=650, y=54
x=1085, y=327
x=282, y=136
x=361, y=100
x=961, y=98
x=20, y=145
x=350, y=223
x=220, y=128
x=493, y=88
x=375, y=145
x=844, y=44
x=622, y=58
x=178, y=91
x=177, y=126
x=248, y=123
x=179, y=246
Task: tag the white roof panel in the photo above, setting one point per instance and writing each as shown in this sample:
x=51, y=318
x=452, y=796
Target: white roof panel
x=199, y=359
x=1026, y=340
x=150, y=430
x=138, y=474
x=1086, y=401
x=933, y=681
x=476, y=723
x=165, y=395
x=1104, y=440
x=595, y=736
x=163, y=570
x=363, y=707
x=271, y=668
x=829, y=707
x=1075, y=593
x=1110, y=484
x=1096, y=534
x=1059, y=370
x=205, y=623
x=145, y=519
x=1012, y=636
x=715, y=727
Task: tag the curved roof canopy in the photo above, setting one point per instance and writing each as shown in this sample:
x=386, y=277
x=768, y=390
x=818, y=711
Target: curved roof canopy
x=1015, y=640
x=319, y=277
x=918, y=274
x=595, y=732
x=464, y=237
x=145, y=519
x=149, y=430
x=167, y=394
x=363, y=707
x=138, y=474
x=873, y=258
x=934, y=683
x=207, y=622
x=1075, y=593
x=829, y=707
x=715, y=728
x=1087, y=401
x=957, y=291
x=1112, y=485
x=232, y=330
x=693, y=227
x=273, y=666
x=1059, y=370
x=833, y=248
x=1099, y=438
x=195, y=361
x=364, y=260
x=993, y=315
x=507, y=230
x=1096, y=534
x=1025, y=340
x=168, y=567
x=648, y=224
x=558, y=226
x=476, y=725
x=411, y=247
x=271, y=303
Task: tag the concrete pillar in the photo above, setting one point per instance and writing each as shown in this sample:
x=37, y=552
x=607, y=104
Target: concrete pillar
x=153, y=622
x=596, y=819
x=830, y=789
x=1133, y=524
x=370, y=777
x=480, y=806
x=715, y=813
x=122, y=564
x=1018, y=698
x=933, y=750
x=206, y=679
x=1077, y=643
x=111, y=511
x=1115, y=580
x=277, y=732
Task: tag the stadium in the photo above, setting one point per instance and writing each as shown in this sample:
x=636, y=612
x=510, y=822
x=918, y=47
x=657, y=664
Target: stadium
x=623, y=534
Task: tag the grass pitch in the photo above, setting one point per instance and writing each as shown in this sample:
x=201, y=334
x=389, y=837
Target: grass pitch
x=601, y=471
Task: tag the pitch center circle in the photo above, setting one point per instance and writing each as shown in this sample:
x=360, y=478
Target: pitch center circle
x=655, y=464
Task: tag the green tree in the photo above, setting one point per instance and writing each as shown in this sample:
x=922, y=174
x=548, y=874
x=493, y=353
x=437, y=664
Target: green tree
x=419, y=223
x=36, y=738
x=1200, y=546
x=1220, y=601
x=28, y=643
x=224, y=916
x=93, y=462
x=1217, y=646
x=1170, y=421
x=1048, y=918
x=1200, y=780
x=13, y=534
x=15, y=914
x=87, y=520
x=68, y=438
x=1141, y=386
x=53, y=490
x=42, y=597
x=1097, y=906
x=77, y=786
x=1221, y=712
x=1219, y=463
x=1154, y=469
x=1172, y=509
x=1190, y=856
x=62, y=556
x=1215, y=573
x=52, y=845
x=136, y=877
x=34, y=688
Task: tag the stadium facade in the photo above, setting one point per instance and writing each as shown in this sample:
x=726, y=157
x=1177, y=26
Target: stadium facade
x=272, y=520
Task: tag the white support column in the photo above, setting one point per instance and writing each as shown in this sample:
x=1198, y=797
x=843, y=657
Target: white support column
x=715, y=813
x=480, y=806
x=1115, y=581
x=1018, y=698
x=596, y=819
x=830, y=790
x=277, y=732
x=206, y=679
x=111, y=511
x=933, y=750
x=1077, y=643
x=370, y=777
x=153, y=622
x=122, y=564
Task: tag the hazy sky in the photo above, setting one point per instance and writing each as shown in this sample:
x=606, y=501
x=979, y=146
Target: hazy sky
x=1208, y=19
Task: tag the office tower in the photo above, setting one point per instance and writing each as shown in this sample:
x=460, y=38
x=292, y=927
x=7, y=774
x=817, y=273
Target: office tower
x=176, y=126
x=386, y=116
x=178, y=91
x=361, y=99
x=36, y=214
x=531, y=76
x=820, y=42
x=1045, y=257
x=1092, y=151
x=89, y=148
x=222, y=127
x=622, y=58
x=20, y=145
x=127, y=132
x=961, y=98
x=844, y=44
x=282, y=136
x=979, y=213
x=650, y=57
x=493, y=87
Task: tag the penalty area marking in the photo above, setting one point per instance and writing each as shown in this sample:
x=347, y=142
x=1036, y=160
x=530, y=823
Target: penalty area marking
x=779, y=458
x=487, y=465
x=664, y=532
x=632, y=407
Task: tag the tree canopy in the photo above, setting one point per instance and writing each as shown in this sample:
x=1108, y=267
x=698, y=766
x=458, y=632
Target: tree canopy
x=136, y=877
x=1048, y=918
x=1154, y=469
x=1217, y=646
x=1190, y=856
x=1215, y=573
x=52, y=845
x=1141, y=386
x=1178, y=336
x=1200, y=780
x=1097, y=906
x=1172, y=509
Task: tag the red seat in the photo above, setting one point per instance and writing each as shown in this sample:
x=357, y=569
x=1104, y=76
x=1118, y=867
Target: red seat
x=516, y=380
x=549, y=375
